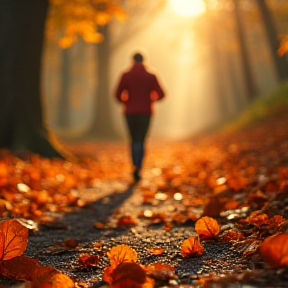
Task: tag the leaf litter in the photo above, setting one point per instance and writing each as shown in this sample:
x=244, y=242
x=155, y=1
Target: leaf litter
x=209, y=210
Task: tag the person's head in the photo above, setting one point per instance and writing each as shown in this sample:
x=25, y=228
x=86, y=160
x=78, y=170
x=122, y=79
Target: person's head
x=138, y=58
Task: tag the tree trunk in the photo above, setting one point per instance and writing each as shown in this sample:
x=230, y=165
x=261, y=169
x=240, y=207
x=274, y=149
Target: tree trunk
x=251, y=89
x=239, y=103
x=280, y=63
x=63, y=114
x=102, y=126
x=21, y=119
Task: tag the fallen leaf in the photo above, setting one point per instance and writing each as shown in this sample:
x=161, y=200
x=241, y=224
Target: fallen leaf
x=121, y=253
x=53, y=280
x=252, y=248
x=69, y=243
x=156, y=251
x=128, y=271
x=88, y=260
x=124, y=283
x=207, y=227
x=19, y=268
x=107, y=274
x=232, y=235
x=126, y=221
x=28, y=269
x=274, y=250
x=100, y=225
x=13, y=239
x=257, y=218
x=159, y=271
x=191, y=247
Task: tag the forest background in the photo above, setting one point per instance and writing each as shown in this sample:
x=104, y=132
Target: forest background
x=212, y=64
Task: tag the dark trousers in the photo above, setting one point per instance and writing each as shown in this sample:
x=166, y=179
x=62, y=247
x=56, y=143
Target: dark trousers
x=138, y=127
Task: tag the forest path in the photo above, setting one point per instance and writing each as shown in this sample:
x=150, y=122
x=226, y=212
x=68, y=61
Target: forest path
x=225, y=176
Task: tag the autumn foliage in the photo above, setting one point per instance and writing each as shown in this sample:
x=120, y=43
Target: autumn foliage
x=76, y=18
x=14, y=239
x=221, y=191
x=274, y=250
x=192, y=246
x=125, y=272
x=13, y=265
x=207, y=227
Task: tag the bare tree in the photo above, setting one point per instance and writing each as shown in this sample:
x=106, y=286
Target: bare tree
x=246, y=64
x=281, y=64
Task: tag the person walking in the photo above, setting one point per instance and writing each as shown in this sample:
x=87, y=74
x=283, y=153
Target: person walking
x=137, y=90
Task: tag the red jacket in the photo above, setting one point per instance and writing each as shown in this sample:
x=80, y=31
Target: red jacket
x=136, y=90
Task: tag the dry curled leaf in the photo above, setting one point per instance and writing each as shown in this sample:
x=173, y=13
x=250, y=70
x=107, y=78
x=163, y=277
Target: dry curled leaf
x=274, y=250
x=156, y=251
x=88, y=260
x=207, y=227
x=192, y=247
x=53, y=280
x=126, y=221
x=232, y=235
x=128, y=270
x=257, y=218
x=121, y=253
x=159, y=271
x=28, y=269
x=13, y=239
x=19, y=268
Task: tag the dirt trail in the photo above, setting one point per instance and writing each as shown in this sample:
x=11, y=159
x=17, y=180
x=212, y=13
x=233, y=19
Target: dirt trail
x=224, y=172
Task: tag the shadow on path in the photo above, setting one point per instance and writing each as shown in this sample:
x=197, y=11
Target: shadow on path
x=79, y=224
x=98, y=211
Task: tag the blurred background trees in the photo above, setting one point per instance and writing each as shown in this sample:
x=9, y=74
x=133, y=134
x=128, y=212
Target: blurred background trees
x=232, y=44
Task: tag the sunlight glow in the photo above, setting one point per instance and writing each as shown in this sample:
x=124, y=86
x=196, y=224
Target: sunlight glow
x=187, y=8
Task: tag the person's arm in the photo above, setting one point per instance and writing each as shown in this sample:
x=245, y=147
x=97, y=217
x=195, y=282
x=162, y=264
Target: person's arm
x=157, y=88
x=121, y=88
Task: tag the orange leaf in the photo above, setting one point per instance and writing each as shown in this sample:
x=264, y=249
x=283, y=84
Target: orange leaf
x=128, y=270
x=126, y=221
x=53, y=280
x=207, y=227
x=19, y=268
x=274, y=250
x=124, y=283
x=156, y=251
x=276, y=221
x=232, y=235
x=28, y=269
x=13, y=239
x=121, y=253
x=159, y=271
x=107, y=274
x=258, y=218
x=89, y=260
x=192, y=246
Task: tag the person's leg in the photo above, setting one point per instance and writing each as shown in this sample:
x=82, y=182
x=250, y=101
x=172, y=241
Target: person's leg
x=138, y=127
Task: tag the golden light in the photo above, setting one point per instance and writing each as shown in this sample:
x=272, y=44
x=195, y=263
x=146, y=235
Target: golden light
x=187, y=8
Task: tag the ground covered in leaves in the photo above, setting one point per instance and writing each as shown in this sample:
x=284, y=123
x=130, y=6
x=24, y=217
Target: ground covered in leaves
x=82, y=216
